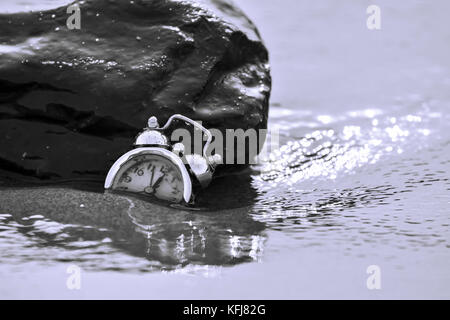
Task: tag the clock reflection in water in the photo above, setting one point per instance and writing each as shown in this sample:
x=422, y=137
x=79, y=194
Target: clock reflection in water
x=151, y=174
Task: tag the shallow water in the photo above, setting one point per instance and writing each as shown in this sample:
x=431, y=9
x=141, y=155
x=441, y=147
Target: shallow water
x=361, y=178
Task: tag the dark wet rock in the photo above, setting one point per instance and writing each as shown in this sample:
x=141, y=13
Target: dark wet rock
x=72, y=101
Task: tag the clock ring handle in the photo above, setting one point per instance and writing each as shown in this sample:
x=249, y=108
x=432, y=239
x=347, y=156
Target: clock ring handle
x=195, y=124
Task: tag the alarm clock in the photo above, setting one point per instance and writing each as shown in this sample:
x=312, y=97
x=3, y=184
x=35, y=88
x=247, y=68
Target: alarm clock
x=161, y=170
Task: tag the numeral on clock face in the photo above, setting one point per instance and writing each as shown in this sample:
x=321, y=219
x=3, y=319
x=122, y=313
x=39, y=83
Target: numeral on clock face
x=152, y=175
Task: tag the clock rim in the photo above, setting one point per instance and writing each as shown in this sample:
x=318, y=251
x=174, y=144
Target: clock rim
x=187, y=183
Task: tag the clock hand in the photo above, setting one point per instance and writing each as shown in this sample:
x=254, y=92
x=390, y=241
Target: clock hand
x=150, y=189
x=153, y=173
x=158, y=182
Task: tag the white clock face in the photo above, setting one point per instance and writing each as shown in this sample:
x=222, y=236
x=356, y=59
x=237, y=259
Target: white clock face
x=151, y=174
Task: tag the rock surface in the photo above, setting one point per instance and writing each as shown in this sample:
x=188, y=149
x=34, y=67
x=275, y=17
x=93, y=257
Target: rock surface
x=72, y=101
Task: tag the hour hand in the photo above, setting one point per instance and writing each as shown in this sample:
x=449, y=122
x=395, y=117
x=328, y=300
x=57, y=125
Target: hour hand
x=151, y=188
x=158, y=182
